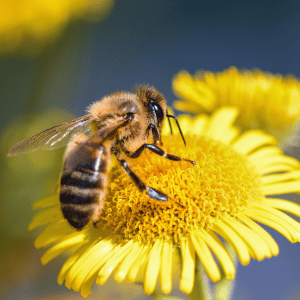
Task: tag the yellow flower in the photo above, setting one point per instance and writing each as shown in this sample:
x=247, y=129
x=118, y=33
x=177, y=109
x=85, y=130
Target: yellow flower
x=34, y=23
x=265, y=101
x=223, y=195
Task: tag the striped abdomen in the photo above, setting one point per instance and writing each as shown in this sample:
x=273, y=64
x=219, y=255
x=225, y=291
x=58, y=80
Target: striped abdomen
x=83, y=184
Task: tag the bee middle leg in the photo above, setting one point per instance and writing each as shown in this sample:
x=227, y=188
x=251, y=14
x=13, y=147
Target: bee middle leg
x=151, y=192
x=155, y=149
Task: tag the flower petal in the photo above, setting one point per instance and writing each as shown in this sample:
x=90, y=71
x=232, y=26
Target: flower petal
x=281, y=215
x=274, y=222
x=46, y=216
x=113, y=261
x=166, y=267
x=125, y=265
x=264, y=153
x=63, y=246
x=218, y=249
x=235, y=240
x=140, y=260
x=253, y=241
x=153, y=267
x=71, y=261
x=224, y=116
x=275, y=178
x=86, y=284
x=52, y=233
x=206, y=257
x=187, y=277
x=262, y=233
x=200, y=122
x=284, y=205
x=276, y=164
x=282, y=188
x=96, y=251
x=251, y=140
x=46, y=202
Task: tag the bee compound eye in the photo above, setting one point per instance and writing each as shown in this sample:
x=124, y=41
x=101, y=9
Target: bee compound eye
x=158, y=111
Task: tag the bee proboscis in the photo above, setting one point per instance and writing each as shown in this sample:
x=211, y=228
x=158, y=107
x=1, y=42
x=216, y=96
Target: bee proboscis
x=119, y=124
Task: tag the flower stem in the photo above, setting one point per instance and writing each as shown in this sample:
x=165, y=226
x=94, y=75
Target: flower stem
x=159, y=296
x=224, y=288
x=201, y=290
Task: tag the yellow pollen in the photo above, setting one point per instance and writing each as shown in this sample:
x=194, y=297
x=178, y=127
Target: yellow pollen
x=221, y=184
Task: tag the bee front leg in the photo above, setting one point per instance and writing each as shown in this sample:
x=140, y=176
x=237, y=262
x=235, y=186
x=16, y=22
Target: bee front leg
x=155, y=149
x=151, y=192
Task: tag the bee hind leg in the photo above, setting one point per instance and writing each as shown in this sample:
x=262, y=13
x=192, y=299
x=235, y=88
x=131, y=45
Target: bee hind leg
x=151, y=192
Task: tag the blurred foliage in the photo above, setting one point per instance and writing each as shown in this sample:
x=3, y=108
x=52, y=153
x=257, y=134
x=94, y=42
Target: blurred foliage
x=28, y=26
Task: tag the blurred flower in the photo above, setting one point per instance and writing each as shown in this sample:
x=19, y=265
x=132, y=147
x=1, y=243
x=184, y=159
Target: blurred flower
x=265, y=101
x=33, y=24
x=223, y=194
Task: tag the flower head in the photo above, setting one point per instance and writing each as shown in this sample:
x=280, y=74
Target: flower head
x=223, y=195
x=265, y=101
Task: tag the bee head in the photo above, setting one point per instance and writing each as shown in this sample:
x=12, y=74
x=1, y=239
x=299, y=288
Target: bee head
x=156, y=107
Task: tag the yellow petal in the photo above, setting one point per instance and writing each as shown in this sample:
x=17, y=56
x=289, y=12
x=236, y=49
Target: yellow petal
x=111, y=263
x=52, y=200
x=71, y=261
x=83, y=265
x=63, y=246
x=206, y=257
x=200, y=123
x=275, y=178
x=252, y=140
x=273, y=222
x=281, y=215
x=128, y=261
x=225, y=116
x=262, y=233
x=218, y=249
x=46, y=216
x=153, y=267
x=86, y=285
x=282, y=188
x=141, y=259
x=235, y=240
x=284, y=205
x=229, y=135
x=166, y=268
x=253, y=241
x=276, y=164
x=52, y=233
x=264, y=153
x=275, y=168
x=187, y=277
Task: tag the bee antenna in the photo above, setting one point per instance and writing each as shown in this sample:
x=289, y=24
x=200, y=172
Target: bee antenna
x=170, y=125
x=170, y=116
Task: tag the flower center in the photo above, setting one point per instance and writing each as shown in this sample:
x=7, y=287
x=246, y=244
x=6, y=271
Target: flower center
x=221, y=184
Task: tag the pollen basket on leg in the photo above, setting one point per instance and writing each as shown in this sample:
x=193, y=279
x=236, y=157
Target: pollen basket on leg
x=221, y=184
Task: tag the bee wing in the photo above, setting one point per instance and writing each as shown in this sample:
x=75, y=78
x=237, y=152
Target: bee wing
x=85, y=152
x=52, y=138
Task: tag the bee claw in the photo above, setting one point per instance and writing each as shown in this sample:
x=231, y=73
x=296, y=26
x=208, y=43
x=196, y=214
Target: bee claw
x=155, y=194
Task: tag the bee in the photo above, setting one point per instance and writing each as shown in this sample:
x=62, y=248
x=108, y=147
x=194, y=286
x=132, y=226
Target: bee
x=120, y=124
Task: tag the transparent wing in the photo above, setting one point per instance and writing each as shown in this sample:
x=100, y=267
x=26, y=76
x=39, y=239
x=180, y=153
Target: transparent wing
x=52, y=138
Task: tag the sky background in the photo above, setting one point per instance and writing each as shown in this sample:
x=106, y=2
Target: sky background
x=141, y=42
